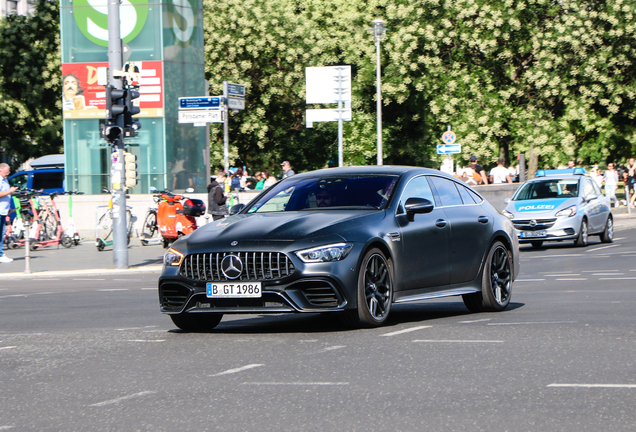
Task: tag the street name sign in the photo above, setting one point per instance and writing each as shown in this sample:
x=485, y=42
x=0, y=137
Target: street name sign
x=236, y=103
x=202, y=116
x=236, y=90
x=199, y=103
x=449, y=148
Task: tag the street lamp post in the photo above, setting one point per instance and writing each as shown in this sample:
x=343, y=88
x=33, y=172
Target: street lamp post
x=379, y=31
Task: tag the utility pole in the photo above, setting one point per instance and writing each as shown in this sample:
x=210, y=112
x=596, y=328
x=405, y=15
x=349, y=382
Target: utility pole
x=120, y=235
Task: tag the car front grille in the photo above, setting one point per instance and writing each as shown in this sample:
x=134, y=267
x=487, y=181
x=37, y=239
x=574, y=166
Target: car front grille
x=540, y=224
x=257, y=266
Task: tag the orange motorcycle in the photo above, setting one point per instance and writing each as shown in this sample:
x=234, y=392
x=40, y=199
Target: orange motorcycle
x=176, y=214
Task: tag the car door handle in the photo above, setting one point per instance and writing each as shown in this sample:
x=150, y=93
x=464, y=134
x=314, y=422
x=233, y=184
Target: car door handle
x=483, y=219
x=441, y=223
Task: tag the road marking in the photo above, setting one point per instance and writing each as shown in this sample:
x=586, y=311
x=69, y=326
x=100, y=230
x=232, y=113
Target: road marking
x=529, y=280
x=153, y=289
x=604, y=247
x=408, y=330
x=607, y=274
x=13, y=295
x=7, y=347
x=91, y=279
x=618, y=278
x=552, y=256
x=6, y=427
x=121, y=399
x=596, y=271
x=241, y=369
x=563, y=274
x=297, y=383
x=630, y=386
x=143, y=340
x=127, y=280
x=113, y=289
x=533, y=322
x=458, y=341
x=474, y=321
x=136, y=328
x=324, y=350
x=572, y=279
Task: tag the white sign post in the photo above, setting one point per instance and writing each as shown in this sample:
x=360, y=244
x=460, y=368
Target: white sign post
x=325, y=85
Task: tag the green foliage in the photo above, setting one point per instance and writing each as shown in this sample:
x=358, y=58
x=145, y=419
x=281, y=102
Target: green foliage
x=30, y=84
x=555, y=78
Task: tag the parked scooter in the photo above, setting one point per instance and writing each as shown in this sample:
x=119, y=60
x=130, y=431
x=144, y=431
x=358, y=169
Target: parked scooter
x=176, y=214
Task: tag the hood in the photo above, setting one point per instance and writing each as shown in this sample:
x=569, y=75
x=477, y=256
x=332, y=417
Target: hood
x=551, y=205
x=280, y=227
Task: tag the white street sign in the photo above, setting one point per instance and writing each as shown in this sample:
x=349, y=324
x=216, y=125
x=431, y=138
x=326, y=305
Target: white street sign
x=328, y=84
x=236, y=103
x=202, y=116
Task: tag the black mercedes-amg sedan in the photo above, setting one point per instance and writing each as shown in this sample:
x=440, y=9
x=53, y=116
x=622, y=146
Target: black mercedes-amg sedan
x=349, y=241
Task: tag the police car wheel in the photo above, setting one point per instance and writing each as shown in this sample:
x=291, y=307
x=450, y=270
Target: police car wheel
x=581, y=241
x=607, y=236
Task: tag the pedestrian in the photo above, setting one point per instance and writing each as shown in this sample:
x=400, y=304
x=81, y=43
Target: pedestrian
x=610, y=178
x=269, y=179
x=479, y=170
x=236, y=180
x=571, y=164
x=500, y=173
x=630, y=181
x=260, y=180
x=216, y=197
x=287, y=170
x=5, y=205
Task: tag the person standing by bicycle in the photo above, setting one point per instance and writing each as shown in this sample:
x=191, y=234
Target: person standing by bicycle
x=216, y=197
x=5, y=205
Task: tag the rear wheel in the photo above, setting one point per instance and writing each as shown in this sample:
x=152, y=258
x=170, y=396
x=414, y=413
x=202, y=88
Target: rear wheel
x=496, y=282
x=197, y=322
x=581, y=241
x=149, y=229
x=375, y=291
x=607, y=236
x=66, y=241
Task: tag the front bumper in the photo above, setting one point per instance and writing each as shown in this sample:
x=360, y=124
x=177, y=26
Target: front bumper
x=554, y=228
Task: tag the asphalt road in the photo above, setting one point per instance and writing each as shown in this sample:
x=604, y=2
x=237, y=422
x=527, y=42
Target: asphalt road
x=92, y=353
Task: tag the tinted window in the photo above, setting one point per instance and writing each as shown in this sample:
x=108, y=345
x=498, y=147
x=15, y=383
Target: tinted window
x=20, y=181
x=416, y=188
x=447, y=191
x=48, y=180
x=467, y=197
x=588, y=188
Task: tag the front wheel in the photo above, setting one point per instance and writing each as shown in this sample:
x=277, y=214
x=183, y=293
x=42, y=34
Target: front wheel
x=197, y=322
x=582, y=239
x=607, y=236
x=66, y=241
x=375, y=290
x=496, y=282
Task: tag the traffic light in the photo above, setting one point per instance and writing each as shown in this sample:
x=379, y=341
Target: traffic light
x=114, y=104
x=130, y=125
x=131, y=169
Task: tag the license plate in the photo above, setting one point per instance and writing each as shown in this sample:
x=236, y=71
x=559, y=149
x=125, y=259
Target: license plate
x=234, y=290
x=533, y=234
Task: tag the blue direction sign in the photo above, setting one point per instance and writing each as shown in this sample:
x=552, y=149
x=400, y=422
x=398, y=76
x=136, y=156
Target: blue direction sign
x=235, y=90
x=449, y=148
x=198, y=103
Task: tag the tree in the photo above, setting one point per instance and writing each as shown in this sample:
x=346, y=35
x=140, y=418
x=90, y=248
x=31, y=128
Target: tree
x=30, y=84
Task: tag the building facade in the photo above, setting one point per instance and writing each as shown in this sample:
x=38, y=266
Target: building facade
x=19, y=7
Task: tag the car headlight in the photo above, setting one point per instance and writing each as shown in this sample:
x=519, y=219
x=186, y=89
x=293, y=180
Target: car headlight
x=570, y=211
x=172, y=258
x=507, y=214
x=334, y=252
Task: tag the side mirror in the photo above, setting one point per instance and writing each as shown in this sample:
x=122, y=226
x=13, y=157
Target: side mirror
x=591, y=197
x=415, y=206
x=507, y=200
x=189, y=190
x=236, y=209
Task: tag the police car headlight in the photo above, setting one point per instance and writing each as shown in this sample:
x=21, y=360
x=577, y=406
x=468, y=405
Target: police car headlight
x=507, y=214
x=570, y=211
x=334, y=252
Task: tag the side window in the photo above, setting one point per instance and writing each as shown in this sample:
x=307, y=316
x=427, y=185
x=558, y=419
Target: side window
x=416, y=188
x=48, y=180
x=465, y=194
x=20, y=181
x=597, y=190
x=447, y=191
x=588, y=188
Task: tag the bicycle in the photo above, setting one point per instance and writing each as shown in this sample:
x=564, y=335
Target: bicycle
x=104, y=228
x=150, y=230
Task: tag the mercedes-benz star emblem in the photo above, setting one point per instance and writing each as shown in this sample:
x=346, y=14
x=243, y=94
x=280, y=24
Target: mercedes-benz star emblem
x=231, y=266
x=234, y=243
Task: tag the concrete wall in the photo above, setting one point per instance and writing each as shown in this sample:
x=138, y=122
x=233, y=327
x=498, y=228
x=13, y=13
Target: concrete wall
x=87, y=208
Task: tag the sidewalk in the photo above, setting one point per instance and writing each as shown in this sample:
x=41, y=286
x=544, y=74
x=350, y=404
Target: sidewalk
x=81, y=259
x=86, y=259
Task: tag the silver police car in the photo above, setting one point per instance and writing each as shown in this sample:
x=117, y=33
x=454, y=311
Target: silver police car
x=559, y=205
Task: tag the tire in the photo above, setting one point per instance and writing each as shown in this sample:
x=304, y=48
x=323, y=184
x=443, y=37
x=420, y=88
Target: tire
x=583, y=238
x=66, y=241
x=536, y=244
x=100, y=245
x=197, y=322
x=149, y=229
x=607, y=236
x=166, y=243
x=496, y=282
x=375, y=291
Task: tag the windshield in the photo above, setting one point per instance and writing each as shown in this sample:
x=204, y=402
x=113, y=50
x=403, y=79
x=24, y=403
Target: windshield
x=327, y=193
x=552, y=188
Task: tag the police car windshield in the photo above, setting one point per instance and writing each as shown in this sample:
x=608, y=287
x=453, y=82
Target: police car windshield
x=546, y=189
